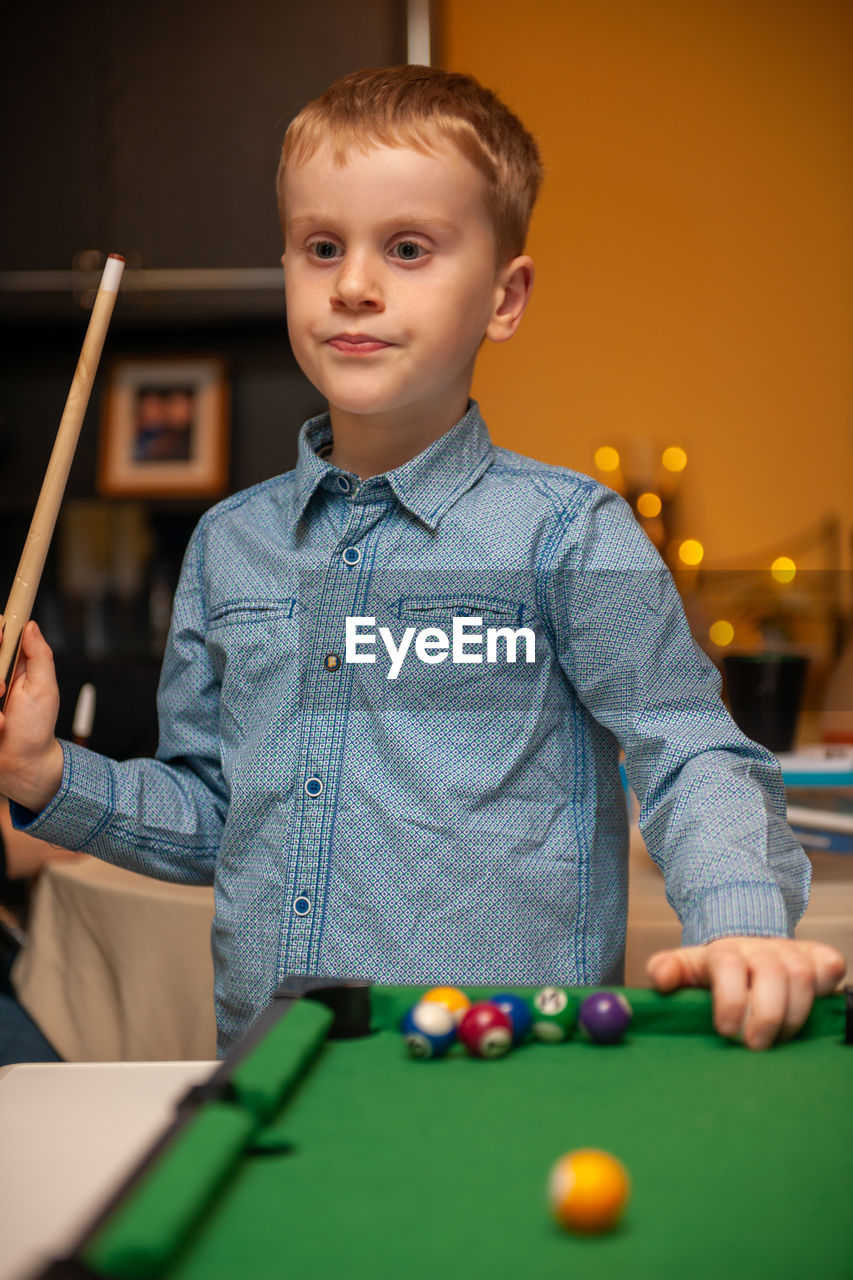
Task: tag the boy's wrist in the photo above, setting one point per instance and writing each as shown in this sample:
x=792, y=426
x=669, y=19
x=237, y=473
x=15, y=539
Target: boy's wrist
x=36, y=789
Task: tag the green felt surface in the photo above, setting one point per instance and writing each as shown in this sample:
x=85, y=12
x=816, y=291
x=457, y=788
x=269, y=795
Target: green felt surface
x=379, y=1165
x=146, y=1235
x=267, y=1075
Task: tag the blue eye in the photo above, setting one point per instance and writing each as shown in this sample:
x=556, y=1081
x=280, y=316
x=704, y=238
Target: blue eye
x=409, y=250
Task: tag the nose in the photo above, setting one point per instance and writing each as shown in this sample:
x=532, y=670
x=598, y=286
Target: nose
x=355, y=287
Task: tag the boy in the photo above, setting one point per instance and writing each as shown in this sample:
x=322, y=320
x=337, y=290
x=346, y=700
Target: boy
x=368, y=801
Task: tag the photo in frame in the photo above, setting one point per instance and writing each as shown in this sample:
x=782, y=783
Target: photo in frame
x=164, y=428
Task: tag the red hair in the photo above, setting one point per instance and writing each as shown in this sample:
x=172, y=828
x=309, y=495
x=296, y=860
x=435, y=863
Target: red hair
x=421, y=107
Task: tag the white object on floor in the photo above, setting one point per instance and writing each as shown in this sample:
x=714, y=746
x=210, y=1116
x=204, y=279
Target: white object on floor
x=71, y=1132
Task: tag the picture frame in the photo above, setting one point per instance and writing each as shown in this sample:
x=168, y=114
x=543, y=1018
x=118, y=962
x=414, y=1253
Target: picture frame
x=164, y=428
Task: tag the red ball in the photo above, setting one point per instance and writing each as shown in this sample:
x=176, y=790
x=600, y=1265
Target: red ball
x=486, y=1031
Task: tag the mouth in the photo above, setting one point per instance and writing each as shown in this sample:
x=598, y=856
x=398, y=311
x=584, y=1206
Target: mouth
x=357, y=344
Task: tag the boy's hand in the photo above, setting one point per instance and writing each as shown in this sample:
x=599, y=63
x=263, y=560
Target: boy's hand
x=30, y=756
x=763, y=988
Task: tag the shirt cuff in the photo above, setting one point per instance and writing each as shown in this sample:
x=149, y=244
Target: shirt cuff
x=742, y=910
x=82, y=806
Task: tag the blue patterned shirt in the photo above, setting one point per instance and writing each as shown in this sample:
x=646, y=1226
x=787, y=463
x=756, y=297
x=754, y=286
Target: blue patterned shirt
x=430, y=820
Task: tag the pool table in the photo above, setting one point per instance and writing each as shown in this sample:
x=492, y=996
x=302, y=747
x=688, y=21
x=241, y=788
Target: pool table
x=320, y=1149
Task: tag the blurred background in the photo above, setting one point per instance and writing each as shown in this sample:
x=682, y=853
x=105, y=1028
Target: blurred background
x=689, y=340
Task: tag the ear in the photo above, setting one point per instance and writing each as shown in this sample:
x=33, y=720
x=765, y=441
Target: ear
x=513, y=289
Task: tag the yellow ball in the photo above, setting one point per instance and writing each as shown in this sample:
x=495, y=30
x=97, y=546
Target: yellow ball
x=588, y=1190
x=452, y=998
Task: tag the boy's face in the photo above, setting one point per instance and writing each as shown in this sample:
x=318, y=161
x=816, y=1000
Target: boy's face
x=391, y=282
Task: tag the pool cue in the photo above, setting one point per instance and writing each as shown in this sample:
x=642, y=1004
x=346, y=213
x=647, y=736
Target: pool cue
x=24, y=588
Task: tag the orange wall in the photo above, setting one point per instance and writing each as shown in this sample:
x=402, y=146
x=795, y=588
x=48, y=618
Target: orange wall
x=693, y=243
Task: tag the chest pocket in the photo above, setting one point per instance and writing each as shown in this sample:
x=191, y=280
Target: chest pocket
x=436, y=610
x=253, y=644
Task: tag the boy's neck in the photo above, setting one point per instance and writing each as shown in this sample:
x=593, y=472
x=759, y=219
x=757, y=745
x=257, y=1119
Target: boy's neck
x=371, y=444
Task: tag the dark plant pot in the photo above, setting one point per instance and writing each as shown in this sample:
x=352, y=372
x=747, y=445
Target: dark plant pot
x=765, y=692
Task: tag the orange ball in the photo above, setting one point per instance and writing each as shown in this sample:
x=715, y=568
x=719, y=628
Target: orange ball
x=588, y=1190
x=452, y=998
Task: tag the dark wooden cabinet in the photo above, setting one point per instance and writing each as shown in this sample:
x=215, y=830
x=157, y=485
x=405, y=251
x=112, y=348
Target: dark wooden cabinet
x=152, y=127
x=50, y=135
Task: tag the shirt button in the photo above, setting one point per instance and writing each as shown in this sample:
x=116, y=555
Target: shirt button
x=343, y=484
x=332, y=661
x=301, y=905
x=351, y=555
x=314, y=787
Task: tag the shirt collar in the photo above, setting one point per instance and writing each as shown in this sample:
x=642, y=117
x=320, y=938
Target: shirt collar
x=427, y=486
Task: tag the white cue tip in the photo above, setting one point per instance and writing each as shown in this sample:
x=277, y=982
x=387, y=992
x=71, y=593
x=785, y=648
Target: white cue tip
x=112, y=273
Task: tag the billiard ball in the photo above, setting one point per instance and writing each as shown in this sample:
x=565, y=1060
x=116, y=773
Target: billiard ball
x=517, y=1010
x=486, y=1031
x=429, y=1030
x=605, y=1016
x=555, y=1014
x=452, y=998
x=588, y=1191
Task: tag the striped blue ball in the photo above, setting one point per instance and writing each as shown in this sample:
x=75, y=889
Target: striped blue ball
x=429, y=1030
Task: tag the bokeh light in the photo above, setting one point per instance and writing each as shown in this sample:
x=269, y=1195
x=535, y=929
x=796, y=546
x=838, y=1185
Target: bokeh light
x=691, y=552
x=649, y=505
x=674, y=458
x=721, y=632
x=783, y=569
x=607, y=458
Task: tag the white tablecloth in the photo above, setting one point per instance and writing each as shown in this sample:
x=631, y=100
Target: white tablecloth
x=118, y=966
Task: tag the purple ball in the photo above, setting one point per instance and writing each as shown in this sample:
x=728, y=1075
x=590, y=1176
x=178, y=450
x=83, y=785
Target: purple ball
x=605, y=1016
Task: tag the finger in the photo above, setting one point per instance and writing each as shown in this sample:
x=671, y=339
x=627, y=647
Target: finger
x=19, y=670
x=35, y=659
x=729, y=982
x=665, y=970
x=801, y=992
x=829, y=966
x=36, y=653
x=769, y=994
x=681, y=967
x=32, y=640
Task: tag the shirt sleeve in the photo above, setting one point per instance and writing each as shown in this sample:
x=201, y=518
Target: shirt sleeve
x=712, y=802
x=162, y=817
